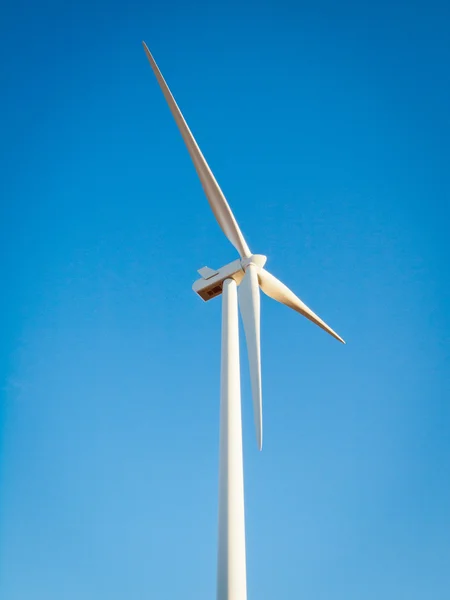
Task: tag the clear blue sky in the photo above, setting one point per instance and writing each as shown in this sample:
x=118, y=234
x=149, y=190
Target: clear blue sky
x=327, y=126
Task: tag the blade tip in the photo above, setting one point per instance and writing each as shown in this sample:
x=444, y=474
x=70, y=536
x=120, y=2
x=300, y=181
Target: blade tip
x=336, y=336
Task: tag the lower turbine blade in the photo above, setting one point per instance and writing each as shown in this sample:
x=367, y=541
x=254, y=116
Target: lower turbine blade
x=249, y=304
x=273, y=287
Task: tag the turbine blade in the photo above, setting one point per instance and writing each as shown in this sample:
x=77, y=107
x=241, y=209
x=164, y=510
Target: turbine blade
x=216, y=199
x=249, y=304
x=273, y=287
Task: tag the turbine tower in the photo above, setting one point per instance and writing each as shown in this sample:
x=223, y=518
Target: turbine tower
x=249, y=274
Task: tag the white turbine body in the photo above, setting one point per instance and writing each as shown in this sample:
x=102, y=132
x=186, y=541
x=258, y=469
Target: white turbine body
x=249, y=274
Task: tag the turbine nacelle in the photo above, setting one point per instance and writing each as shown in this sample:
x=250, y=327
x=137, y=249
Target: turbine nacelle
x=211, y=283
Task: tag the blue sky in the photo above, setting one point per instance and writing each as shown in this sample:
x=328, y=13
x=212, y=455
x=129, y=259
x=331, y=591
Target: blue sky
x=327, y=127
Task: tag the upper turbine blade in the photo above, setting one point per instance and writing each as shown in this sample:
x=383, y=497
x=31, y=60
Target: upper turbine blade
x=216, y=199
x=273, y=287
x=249, y=304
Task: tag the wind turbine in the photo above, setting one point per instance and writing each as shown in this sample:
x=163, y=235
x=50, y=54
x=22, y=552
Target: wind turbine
x=249, y=274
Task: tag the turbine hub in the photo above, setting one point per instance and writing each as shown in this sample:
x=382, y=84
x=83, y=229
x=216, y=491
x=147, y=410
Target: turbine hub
x=256, y=259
